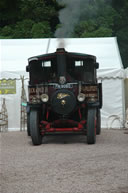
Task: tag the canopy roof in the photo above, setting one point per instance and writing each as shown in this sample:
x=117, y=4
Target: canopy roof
x=15, y=52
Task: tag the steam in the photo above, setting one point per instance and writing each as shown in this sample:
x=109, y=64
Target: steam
x=75, y=11
x=69, y=17
x=61, y=43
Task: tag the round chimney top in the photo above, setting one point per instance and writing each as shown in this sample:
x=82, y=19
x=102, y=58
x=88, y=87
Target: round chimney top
x=60, y=50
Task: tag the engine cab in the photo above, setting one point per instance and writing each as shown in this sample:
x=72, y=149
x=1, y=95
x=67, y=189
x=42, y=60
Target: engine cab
x=64, y=95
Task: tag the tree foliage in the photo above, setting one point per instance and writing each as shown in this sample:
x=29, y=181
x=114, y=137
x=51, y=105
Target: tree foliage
x=120, y=29
x=24, y=18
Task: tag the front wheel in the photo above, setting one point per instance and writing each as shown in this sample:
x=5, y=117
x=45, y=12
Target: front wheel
x=34, y=127
x=91, y=126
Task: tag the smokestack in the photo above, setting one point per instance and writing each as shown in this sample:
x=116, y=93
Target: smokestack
x=61, y=62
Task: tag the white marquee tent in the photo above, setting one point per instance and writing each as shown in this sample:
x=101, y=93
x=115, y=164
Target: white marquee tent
x=13, y=60
x=126, y=88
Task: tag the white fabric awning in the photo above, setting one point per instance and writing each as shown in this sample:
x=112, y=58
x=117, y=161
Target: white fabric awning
x=110, y=73
x=15, y=52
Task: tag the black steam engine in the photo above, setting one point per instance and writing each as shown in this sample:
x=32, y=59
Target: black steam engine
x=64, y=96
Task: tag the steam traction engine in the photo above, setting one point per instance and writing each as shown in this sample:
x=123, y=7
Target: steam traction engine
x=64, y=96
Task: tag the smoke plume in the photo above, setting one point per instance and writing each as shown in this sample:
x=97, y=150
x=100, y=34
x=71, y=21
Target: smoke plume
x=61, y=43
x=75, y=11
x=69, y=16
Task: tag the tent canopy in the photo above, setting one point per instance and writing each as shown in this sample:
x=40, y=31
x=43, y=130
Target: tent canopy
x=14, y=54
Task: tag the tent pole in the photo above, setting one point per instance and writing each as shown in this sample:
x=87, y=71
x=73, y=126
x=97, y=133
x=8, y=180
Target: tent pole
x=48, y=45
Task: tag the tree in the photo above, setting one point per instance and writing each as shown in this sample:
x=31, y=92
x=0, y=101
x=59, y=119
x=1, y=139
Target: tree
x=98, y=26
x=120, y=28
x=9, y=12
x=41, y=30
x=23, y=18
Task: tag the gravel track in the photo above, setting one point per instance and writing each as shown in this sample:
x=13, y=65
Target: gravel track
x=64, y=164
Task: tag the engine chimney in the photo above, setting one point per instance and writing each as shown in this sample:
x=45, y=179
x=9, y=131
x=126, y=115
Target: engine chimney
x=61, y=62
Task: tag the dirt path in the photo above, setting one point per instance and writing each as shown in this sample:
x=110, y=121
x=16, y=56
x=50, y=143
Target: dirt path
x=64, y=164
